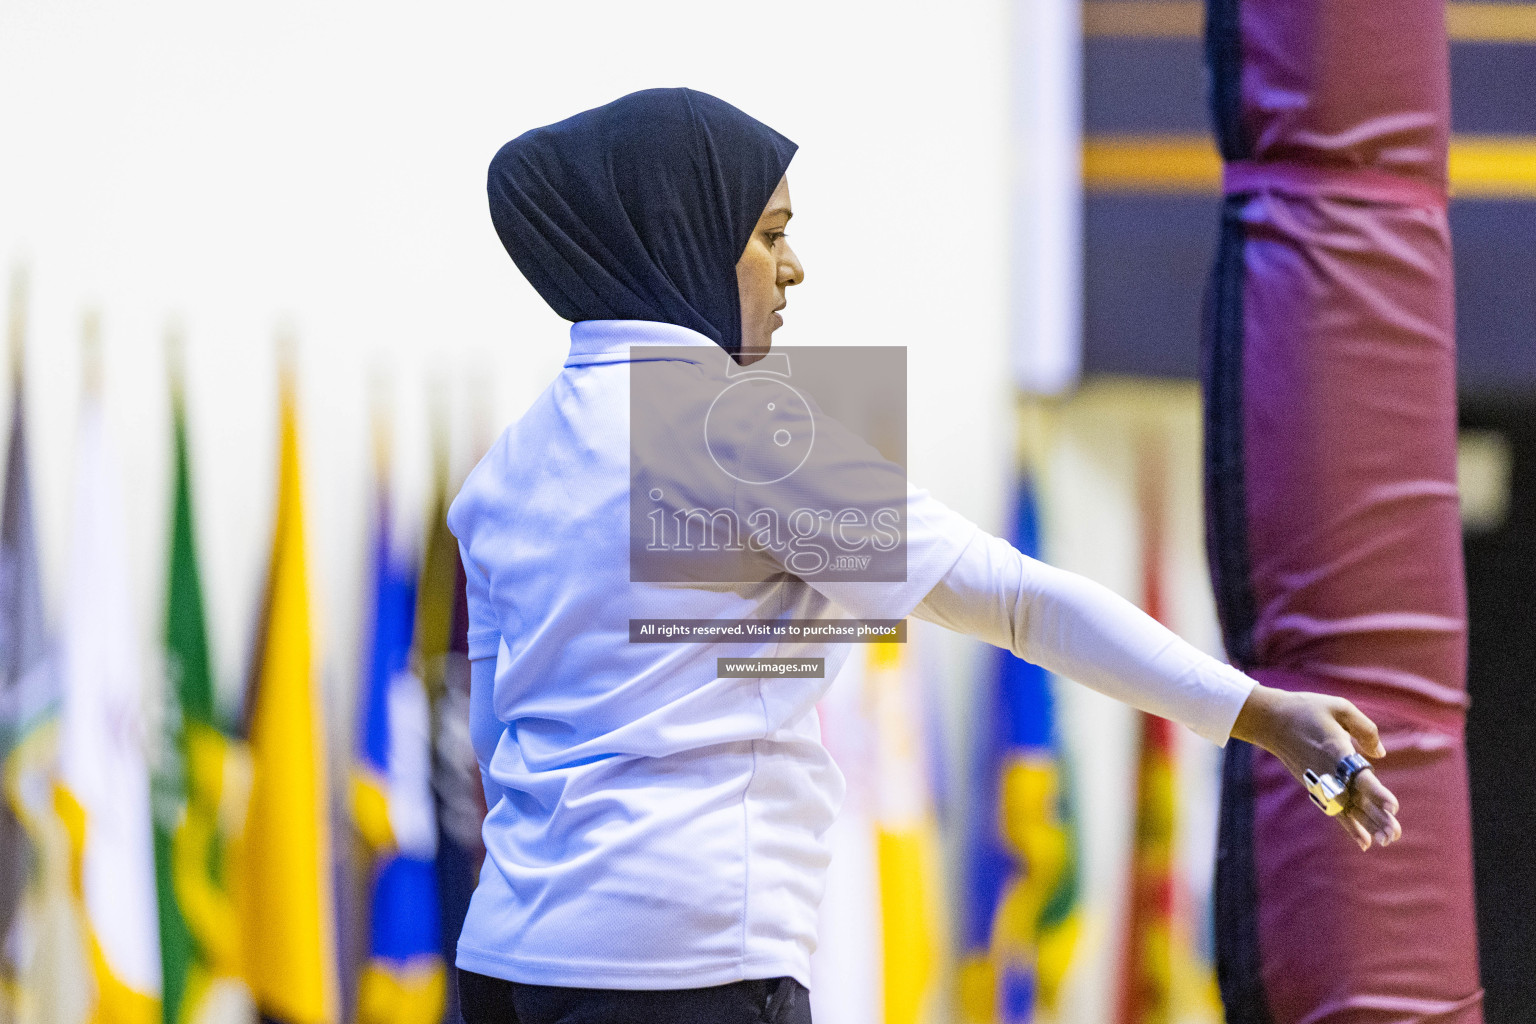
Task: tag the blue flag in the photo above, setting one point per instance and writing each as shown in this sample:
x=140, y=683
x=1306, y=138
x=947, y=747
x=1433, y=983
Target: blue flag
x=404, y=980
x=1018, y=915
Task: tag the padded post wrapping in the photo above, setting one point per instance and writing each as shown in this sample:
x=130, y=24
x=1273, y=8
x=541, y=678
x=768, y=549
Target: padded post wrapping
x=1333, y=529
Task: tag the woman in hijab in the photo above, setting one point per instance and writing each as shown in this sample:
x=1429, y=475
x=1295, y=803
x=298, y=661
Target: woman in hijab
x=655, y=838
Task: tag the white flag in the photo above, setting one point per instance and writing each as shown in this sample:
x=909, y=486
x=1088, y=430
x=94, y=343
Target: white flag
x=103, y=742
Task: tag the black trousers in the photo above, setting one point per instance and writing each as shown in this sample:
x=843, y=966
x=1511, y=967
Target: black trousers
x=485, y=1000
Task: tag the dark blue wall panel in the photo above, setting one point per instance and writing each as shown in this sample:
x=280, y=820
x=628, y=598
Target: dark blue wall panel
x=1146, y=263
x=1493, y=89
x=1144, y=87
x=1157, y=86
x=1147, y=258
x=1147, y=255
x=1495, y=295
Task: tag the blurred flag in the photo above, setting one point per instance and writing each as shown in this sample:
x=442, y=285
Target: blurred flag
x=1146, y=988
x=41, y=945
x=103, y=794
x=846, y=974
x=441, y=657
x=403, y=980
x=1163, y=980
x=1020, y=916
x=200, y=785
x=284, y=889
x=906, y=839
x=25, y=697
x=881, y=947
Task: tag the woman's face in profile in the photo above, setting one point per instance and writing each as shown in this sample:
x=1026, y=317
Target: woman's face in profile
x=767, y=266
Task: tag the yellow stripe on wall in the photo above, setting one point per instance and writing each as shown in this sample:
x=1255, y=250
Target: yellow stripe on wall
x=1481, y=167
x=1181, y=19
x=1153, y=19
x=1139, y=163
x=1493, y=167
x=1491, y=23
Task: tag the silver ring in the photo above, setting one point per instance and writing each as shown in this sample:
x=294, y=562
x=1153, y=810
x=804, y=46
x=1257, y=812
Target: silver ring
x=1333, y=791
x=1349, y=768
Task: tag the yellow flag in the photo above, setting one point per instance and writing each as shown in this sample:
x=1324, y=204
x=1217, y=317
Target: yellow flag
x=284, y=856
x=906, y=842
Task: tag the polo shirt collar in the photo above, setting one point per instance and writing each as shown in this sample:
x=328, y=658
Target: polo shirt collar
x=609, y=341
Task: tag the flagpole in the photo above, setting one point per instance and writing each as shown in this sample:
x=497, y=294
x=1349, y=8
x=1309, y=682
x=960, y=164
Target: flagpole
x=382, y=438
x=441, y=436
x=287, y=349
x=175, y=360
x=17, y=340
x=90, y=352
x=481, y=427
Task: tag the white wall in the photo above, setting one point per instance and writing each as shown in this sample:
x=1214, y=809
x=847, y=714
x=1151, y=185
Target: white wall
x=322, y=166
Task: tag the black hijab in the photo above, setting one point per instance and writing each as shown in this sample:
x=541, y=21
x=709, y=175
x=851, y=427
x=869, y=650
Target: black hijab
x=639, y=209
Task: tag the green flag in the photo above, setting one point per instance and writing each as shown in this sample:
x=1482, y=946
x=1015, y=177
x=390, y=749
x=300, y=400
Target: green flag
x=200, y=787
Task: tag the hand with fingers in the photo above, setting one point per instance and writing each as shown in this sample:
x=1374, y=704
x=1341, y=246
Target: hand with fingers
x=1312, y=732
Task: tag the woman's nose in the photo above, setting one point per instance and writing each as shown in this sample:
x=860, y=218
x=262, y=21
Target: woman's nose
x=790, y=271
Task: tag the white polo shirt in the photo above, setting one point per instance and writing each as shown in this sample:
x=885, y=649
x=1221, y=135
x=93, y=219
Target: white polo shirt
x=650, y=826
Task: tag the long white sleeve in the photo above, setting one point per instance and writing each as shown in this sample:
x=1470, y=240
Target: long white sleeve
x=1085, y=632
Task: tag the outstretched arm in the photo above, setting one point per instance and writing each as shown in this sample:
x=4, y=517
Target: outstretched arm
x=1086, y=632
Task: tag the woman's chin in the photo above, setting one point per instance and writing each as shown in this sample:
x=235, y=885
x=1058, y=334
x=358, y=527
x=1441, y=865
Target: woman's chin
x=753, y=349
